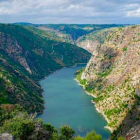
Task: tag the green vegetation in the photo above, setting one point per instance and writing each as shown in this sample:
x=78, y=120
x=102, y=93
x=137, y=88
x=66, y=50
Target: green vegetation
x=90, y=136
x=45, y=34
x=98, y=35
x=124, y=49
x=105, y=73
x=137, y=97
x=19, y=127
x=99, y=98
x=78, y=77
x=112, y=77
x=66, y=132
x=121, y=138
x=15, y=120
x=28, y=54
x=74, y=30
x=13, y=85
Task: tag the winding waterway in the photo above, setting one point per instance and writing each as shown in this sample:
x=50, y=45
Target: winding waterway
x=67, y=103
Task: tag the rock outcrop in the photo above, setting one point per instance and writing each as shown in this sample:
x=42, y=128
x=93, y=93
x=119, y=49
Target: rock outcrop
x=6, y=136
x=91, y=41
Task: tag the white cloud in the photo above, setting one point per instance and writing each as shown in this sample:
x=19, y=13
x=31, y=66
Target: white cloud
x=135, y=13
x=134, y=10
x=72, y=11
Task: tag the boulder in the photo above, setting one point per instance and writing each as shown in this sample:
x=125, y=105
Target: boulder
x=6, y=136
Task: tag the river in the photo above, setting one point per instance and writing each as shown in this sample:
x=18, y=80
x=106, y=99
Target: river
x=67, y=103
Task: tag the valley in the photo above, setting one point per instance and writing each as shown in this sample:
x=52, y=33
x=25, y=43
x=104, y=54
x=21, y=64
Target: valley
x=26, y=58
x=31, y=52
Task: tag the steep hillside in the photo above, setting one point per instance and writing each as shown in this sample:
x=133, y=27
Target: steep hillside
x=72, y=32
x=45, y=34
x=26, y=56
x=90, y=41
x=112, y=76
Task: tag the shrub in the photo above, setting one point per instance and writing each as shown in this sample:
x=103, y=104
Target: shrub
x=52, y=130
x=20, y=128
x=90, y=136
x=66, y=132
x=124, y=49
x=120, y=138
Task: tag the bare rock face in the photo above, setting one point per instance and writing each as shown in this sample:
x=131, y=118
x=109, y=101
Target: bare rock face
x=6, y=136
x=91, y=41
x=89, y=45
x=89, y=71
x=133, y=133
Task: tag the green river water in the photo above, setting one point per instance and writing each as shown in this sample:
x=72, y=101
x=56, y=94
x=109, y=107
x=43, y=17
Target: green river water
x=67, y=103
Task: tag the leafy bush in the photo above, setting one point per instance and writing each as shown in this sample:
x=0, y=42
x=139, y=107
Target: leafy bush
x=20, y=128
x=124, y=49
x=66, y=132
x=90, y=136
x=105, y=73
x=78, y=74
x=99, y=98
x=120, y=138
x=52, y=130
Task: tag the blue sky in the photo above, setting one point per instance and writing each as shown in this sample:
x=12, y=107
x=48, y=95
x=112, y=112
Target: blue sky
x=70, y=11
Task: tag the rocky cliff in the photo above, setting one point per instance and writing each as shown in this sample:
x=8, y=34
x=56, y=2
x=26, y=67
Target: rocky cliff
x=113, y=76
x=90, y=41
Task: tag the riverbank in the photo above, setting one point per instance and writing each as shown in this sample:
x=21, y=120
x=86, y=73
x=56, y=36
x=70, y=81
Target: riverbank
x=98, y=110
x=84, y=88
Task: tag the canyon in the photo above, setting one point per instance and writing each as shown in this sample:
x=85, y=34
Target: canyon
x=29, y=53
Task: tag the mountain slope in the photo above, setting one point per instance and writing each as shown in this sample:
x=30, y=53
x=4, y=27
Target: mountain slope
x=112, y=75
x=72, y=32
x=90, y=41
x=25, y=58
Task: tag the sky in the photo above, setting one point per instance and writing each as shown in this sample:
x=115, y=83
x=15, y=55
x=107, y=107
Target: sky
x=70, y=11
